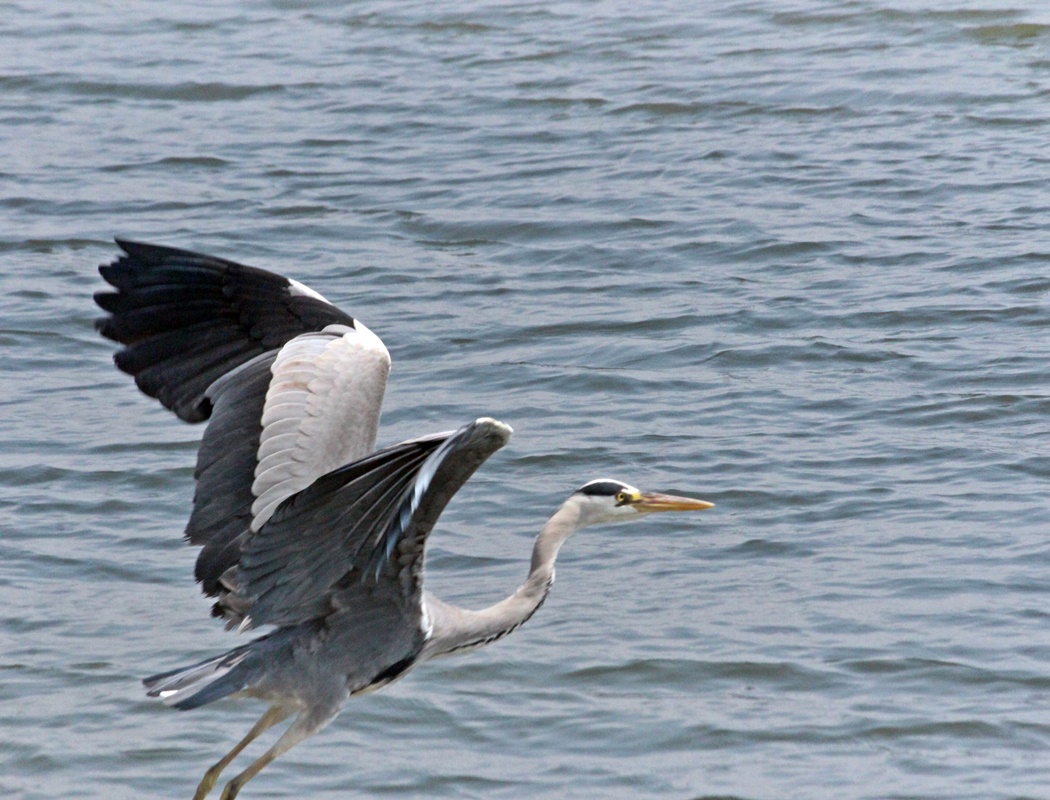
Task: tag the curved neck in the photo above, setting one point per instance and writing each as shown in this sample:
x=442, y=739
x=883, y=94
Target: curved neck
x=457, y=629
x=563, y=524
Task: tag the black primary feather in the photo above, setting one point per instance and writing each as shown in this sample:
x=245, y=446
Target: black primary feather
x=186, y=319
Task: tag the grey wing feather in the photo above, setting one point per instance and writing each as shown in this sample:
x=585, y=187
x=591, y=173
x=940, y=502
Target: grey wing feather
x=357, y=532
x=289, y=566
x=222, y=503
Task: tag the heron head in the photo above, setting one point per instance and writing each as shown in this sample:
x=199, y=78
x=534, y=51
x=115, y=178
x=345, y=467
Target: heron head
x=606, y=500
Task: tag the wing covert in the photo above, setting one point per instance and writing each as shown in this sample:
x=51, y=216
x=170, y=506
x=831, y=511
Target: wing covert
x=364, y=524
x=321, y=411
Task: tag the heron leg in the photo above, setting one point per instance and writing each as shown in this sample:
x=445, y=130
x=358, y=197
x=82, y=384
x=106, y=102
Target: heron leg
x=305, y=725
x=273, y=716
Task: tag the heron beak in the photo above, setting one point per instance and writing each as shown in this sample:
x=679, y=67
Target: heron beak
x=653, y=501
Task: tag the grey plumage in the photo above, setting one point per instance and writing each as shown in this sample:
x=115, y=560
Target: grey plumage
x=302, y=524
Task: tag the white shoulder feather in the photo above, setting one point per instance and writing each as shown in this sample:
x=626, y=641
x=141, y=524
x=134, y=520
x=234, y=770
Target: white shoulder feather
x=322, y=411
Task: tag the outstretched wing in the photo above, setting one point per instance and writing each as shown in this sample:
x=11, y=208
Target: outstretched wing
x=352, y=543
x=292, y=385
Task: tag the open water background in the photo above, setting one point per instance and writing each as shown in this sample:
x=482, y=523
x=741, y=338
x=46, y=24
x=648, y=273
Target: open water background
x=793, y=257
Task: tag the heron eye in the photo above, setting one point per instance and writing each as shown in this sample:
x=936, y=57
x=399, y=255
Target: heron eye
x=622, y=498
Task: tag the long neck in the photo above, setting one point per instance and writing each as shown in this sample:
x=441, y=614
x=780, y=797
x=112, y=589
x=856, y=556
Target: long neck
x=456, y=629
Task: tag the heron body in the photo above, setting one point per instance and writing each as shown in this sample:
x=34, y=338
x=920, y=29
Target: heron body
x=303, y=526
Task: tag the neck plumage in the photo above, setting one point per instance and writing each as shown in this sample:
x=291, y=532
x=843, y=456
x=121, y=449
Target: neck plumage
x=457, y=629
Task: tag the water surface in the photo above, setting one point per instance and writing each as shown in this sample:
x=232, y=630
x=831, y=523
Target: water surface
x=792, y=257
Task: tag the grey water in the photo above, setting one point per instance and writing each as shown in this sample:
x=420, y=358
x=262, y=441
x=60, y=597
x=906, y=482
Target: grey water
x=790, y=257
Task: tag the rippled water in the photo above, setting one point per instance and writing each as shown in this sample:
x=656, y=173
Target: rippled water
x=794, y=257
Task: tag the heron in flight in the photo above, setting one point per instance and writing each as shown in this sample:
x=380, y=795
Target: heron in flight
x=303, y=526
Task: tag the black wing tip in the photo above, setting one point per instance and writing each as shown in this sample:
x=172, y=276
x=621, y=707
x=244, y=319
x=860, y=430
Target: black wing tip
x=136, y=255
x=135, y=249
x=151, y=254
x=104, y=328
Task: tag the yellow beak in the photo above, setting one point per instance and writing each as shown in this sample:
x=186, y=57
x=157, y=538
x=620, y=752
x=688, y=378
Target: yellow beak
x=653, y=501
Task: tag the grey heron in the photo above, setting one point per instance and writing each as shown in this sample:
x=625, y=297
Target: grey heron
x=302, y=525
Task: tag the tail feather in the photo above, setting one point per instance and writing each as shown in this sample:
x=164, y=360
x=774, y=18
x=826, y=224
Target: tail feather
x=199, y=684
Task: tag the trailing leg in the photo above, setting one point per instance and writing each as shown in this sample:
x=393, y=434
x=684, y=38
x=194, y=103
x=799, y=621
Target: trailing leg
x=305, y=726
x=273, y=716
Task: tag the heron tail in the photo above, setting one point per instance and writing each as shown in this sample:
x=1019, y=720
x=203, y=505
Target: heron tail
x=199, y=684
